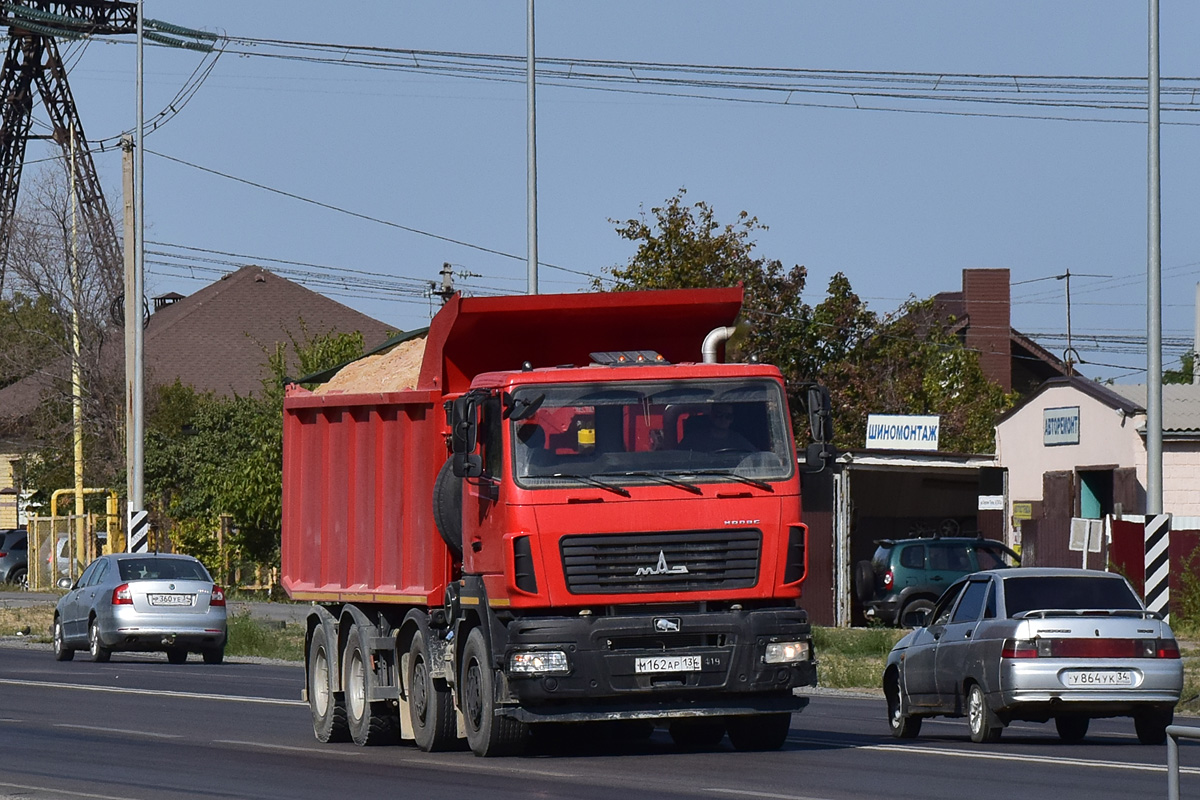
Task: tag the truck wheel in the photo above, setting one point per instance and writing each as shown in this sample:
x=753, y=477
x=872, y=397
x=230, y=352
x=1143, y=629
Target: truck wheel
x=487, y=734
x=327, y=706
x=761, y=732
x=697, y=734
x=430, y=702
x=370, y=723
x=447, y=508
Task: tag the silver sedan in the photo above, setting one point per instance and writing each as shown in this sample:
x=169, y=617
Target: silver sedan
x=142, y=601
x=1036, y=644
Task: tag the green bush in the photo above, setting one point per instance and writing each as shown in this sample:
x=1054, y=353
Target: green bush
x=852, y=658
x=252, y=637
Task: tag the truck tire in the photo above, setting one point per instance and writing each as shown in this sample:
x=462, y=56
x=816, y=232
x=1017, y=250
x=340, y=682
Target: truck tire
x=760, y=732
x=487, y=734
x=370, y=723
x=447, y=508
x=327, y=706
x=430, y=701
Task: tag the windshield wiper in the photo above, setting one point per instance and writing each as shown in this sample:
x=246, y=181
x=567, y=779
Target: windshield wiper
x=654, y=476
x=590, y=481
x=726, y=473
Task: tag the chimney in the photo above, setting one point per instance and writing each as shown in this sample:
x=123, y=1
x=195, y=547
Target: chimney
x=987, y=302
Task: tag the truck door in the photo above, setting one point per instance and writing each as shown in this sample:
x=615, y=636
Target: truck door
x=482, y=527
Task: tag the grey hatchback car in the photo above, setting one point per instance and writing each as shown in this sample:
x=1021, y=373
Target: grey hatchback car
x=1036, y=644
x=145, y=602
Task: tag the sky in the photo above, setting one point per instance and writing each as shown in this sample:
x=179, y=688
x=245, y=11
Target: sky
x=895, y=142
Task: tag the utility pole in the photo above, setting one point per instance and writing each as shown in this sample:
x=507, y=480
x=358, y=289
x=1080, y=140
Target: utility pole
x=447, y=290
x=133, y=313
x=531, y=156
x=77, y=544
x=1154, y=456
x=137, y=532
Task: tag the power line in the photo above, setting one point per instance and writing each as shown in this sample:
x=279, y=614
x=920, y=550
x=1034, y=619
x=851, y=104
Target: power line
x=362, y=216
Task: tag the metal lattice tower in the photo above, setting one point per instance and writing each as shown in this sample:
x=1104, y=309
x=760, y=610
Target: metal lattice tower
x=33, y=64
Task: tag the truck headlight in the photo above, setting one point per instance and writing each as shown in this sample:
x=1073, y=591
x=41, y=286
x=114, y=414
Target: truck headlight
x=538, y=662
x=786, y=652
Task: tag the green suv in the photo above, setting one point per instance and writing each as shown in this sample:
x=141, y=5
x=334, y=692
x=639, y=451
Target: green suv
x=904, y=578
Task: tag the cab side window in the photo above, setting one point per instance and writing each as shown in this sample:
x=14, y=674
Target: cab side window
x=972, y=601
x=941, y=612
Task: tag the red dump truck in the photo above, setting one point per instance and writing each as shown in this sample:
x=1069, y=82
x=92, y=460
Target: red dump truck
x=567, y=512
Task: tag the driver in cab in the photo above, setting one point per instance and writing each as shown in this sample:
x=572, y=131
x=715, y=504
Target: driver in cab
x=713, y=432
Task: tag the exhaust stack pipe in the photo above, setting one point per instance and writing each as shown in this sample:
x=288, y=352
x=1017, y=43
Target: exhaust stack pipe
x=713, y=341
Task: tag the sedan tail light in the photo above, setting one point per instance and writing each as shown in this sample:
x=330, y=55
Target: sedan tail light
x=1019, y=648
x=218, y=596
x=122, y=595
x=1081, y=647
x=1166, y=648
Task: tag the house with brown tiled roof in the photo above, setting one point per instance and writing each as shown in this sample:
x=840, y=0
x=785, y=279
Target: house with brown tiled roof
x=215, y=340
x=982, y=314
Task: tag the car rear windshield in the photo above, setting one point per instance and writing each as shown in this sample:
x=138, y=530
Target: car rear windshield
x=1067, y=593
x=138, y=569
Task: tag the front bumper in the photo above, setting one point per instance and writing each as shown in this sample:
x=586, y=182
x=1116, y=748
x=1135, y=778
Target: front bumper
x=603, y=681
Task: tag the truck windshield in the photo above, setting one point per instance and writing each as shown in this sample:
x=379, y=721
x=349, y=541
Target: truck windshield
x=679, y=434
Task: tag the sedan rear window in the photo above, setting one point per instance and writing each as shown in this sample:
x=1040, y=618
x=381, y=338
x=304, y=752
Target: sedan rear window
x=136, y=569
x=1067, y=593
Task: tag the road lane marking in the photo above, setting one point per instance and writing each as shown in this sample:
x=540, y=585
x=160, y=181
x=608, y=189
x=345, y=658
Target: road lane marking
x=97, y=729
x=232, y=698
x=769, y=795
x=995, y=756
x=310, y=750
x=25, y=788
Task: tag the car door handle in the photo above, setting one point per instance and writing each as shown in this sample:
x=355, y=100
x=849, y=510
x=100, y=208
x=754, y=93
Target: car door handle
x=967, y=635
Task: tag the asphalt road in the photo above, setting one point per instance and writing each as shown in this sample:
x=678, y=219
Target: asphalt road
x=138, y=728
x=283, y=612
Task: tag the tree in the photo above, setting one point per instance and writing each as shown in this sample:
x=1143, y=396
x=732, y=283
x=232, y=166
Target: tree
x=1187, y=363
x=207, y=455
x=685, y=247
x=906, y=363
x=33, y=335
x=55, y=282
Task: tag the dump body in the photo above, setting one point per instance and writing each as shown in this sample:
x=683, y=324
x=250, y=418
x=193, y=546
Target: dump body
x=535, y=529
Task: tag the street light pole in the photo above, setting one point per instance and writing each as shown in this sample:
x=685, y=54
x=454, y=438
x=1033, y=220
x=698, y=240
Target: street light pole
x=531, y=156
x=1154, y=458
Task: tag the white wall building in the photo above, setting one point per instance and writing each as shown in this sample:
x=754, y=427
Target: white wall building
x=1077, y=448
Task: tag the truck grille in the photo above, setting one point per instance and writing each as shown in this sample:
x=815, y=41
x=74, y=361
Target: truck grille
x=686, y=561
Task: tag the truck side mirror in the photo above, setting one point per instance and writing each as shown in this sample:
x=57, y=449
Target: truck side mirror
x=820, y=417
x=820, y=422
x=464, y=435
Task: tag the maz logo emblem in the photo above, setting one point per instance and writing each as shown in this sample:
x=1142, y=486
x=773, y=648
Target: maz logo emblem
x=666, y=625
x=662, y=568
